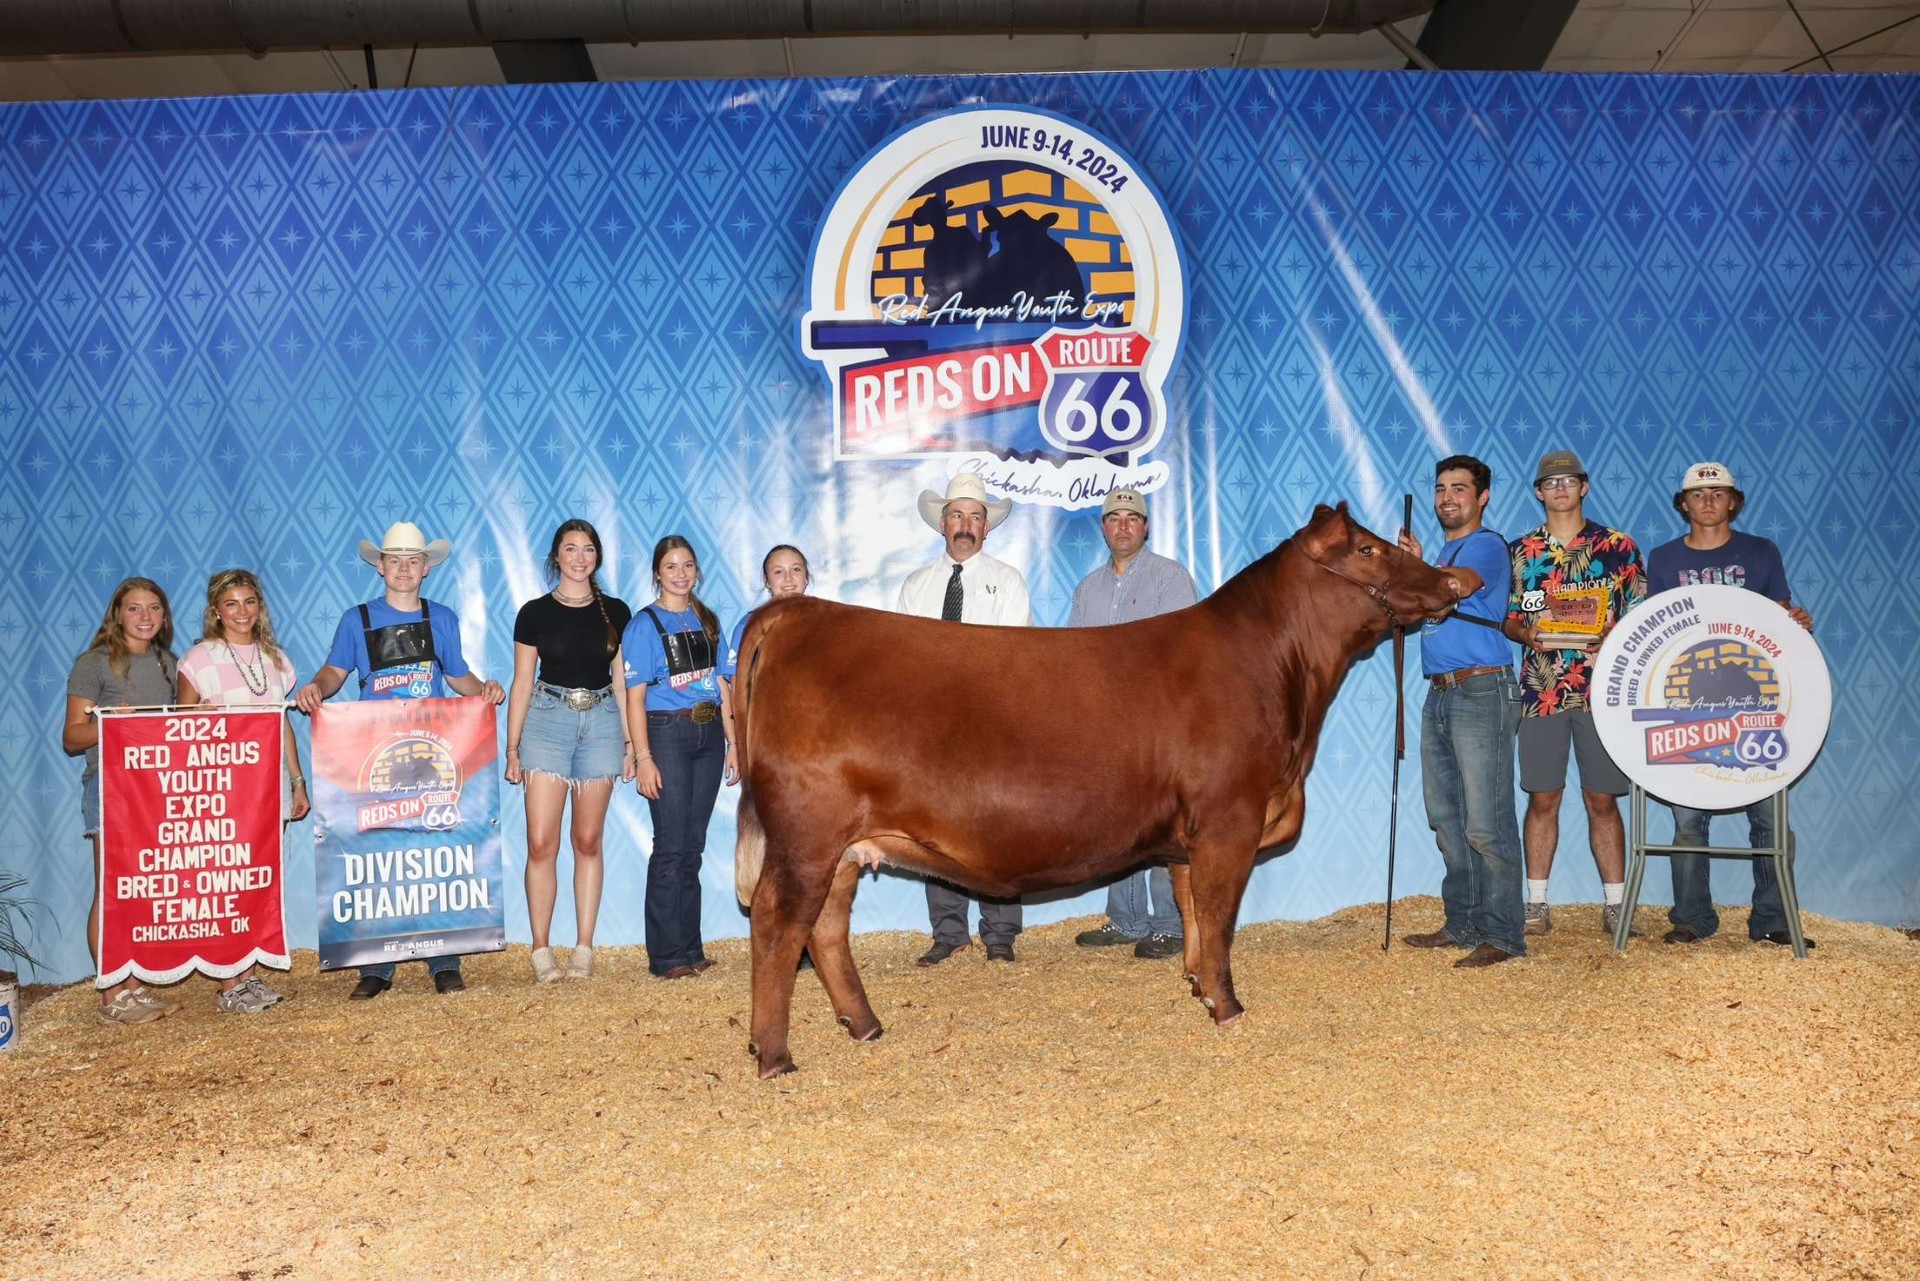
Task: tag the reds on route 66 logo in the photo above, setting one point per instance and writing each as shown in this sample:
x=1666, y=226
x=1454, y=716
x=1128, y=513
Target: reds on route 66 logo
x=1000, y=286
x=1711, y=697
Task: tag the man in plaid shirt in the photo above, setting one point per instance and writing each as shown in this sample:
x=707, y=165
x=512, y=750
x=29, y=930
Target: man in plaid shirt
x=1568, y=554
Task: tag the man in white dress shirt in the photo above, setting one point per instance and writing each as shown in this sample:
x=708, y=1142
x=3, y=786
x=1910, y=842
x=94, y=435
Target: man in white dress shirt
x=967, y=586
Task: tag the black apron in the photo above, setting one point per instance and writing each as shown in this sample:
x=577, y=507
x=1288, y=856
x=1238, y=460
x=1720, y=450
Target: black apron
x=398, y=644
x=689, y=654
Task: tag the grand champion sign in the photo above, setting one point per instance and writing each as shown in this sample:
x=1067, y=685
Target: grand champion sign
x=190, y=828
x=1000, y=286
x=1711, y=697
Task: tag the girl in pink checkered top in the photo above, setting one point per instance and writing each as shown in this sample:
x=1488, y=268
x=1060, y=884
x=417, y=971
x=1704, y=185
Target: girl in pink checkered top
x=237, y=663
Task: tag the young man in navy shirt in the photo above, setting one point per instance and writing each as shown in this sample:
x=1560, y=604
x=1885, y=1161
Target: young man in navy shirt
x=403, y=646
x=1713, y=551
x=1467, y=729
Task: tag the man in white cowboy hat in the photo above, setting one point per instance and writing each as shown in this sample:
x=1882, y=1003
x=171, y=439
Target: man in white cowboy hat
x=1134, y=583
x=402, y=646
x=1713, y=551
x=967, y=586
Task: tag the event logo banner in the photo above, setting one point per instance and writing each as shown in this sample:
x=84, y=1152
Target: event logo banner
x=1001, y=285
x=407, y=832
x=1711, y=697
x=190, y=830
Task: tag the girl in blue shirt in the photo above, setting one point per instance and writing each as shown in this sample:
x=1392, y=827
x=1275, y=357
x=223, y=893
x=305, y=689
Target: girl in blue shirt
x=672, y=652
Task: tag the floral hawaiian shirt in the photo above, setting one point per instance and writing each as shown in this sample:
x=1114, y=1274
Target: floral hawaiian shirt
x=1558, y=681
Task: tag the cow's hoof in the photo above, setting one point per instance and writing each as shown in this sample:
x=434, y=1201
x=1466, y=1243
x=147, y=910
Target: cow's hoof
x=1226, y=1012
x=868, y=1031
x=781, y=1066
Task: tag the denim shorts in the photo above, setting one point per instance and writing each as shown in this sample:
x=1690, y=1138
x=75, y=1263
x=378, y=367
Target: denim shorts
x=576, y=746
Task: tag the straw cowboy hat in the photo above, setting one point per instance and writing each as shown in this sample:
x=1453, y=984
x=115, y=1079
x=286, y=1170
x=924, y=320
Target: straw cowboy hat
x=403, y=538
x=964, y=486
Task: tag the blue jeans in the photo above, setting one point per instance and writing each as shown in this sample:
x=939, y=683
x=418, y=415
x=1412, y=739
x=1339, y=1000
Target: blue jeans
x=1130, y=912
x=691, y=758
x=1466, y=756
x=435, y=965
x=1692, y=892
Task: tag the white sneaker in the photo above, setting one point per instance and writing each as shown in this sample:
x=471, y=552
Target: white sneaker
x=544, y=969
x=127, y=1010
x=144, y=996
x=580, y=964
x=250, y=997
x=1539, y=919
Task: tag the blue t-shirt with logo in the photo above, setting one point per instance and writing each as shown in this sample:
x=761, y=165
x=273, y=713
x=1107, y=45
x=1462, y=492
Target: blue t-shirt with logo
x=1746, y=560
x=1451, y=645
x=410, y=680
x=646, y=660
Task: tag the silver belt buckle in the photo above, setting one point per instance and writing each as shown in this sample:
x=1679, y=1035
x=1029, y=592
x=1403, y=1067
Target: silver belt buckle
x=582, y=700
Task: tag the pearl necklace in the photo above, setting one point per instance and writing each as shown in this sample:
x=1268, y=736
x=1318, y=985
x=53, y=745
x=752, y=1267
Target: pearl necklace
x=256, y=676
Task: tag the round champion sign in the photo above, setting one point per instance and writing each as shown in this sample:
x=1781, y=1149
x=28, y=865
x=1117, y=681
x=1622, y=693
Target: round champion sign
x=1711, y=697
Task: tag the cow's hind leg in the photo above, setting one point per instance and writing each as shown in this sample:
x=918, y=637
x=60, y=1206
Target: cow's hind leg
x=1219, y=873
x=833, y=958
x=786, y=904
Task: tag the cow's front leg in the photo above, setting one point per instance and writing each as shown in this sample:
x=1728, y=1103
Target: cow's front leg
x=1219, y=872
x=785, y=906
x=833, y=958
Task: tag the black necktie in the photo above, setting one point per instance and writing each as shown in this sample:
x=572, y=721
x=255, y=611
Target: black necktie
x=950, y=607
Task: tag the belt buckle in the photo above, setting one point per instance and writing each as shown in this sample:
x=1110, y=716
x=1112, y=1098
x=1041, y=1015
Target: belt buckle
x=581, y=700
x=704, y=713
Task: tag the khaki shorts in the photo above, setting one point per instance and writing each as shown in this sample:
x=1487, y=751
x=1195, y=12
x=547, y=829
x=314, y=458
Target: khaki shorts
x=1543, y=754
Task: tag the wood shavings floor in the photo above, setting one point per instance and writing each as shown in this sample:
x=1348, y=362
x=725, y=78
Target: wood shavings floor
x=1715, y=1111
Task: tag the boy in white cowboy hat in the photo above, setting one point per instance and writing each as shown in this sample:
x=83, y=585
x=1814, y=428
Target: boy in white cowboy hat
x=1713, y=551
x=403, y=646
x=967, y=586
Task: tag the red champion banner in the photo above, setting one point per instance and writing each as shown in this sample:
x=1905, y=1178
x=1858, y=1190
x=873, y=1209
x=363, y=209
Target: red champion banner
x=190, y=829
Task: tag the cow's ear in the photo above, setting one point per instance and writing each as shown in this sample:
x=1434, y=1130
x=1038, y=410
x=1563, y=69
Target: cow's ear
x=1052, y=217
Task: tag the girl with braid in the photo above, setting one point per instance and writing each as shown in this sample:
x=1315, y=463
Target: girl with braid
x=673, y=651
x=567, y=735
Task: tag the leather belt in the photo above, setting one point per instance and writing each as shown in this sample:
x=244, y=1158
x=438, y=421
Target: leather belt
x=580, y=700
x=1447, y=680
x=700, y=713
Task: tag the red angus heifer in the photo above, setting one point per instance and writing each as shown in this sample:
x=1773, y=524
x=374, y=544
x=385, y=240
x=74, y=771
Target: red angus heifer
x=1009, y=759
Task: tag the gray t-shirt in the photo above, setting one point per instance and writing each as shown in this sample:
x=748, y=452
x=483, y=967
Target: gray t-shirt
x=148, y=683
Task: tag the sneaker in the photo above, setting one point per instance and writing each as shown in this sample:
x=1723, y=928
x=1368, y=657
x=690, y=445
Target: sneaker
x=544, y=969
x=250, y=997
x=127, y=1010
x=1610, y=918
x=1539, y=919
x=580, y=964
x=145, y=996
x=1155, y=947
x=1107, y=935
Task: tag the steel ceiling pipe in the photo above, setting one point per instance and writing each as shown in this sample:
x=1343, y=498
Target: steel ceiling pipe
x=44, y=27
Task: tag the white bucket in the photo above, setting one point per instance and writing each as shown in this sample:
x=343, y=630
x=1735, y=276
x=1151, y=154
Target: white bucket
x=9, y=1004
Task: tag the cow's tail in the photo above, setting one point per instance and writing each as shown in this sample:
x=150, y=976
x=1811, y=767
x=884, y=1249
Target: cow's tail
x=750, y=842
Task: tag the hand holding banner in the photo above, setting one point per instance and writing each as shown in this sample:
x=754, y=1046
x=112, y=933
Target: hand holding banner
x=190, y=831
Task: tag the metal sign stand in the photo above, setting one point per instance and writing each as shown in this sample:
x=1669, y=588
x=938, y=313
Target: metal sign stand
x=1781, y=854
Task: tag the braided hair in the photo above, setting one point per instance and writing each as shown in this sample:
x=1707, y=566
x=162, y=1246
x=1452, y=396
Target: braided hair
x=578, y=526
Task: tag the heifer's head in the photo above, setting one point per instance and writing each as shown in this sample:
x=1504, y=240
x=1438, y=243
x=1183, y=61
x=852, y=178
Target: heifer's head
x=1405, y=589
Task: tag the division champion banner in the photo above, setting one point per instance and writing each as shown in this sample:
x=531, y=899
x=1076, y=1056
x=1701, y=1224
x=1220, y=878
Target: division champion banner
x=407, y=839
x=190, y=829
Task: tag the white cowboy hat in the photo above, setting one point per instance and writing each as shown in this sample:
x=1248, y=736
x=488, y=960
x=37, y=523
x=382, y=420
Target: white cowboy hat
x=403, y=538
x=964, y=486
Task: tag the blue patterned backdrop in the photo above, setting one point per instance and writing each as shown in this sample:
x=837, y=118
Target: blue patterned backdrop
x=256, y=330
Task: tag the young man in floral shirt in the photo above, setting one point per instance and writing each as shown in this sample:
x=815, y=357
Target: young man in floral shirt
x=1571, y=560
